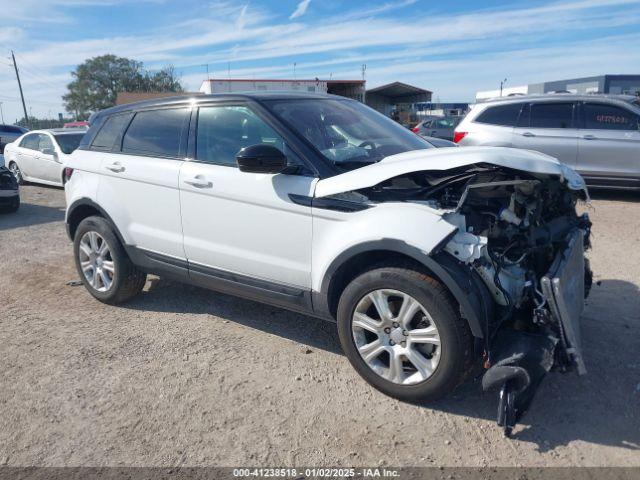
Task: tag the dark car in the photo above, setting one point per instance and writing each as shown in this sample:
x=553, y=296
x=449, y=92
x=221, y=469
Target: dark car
x=8, y=133
x=9, y=194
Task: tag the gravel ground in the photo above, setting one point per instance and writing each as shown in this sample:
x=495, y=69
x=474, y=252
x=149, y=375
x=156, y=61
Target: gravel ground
x=184, y=376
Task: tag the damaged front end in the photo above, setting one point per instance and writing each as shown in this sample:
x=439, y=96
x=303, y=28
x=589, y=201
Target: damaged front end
x=520, y=233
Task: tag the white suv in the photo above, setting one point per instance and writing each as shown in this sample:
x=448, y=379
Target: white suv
x=428, y=259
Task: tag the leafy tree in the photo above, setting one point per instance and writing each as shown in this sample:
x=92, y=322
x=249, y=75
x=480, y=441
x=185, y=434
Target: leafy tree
x=97, y=81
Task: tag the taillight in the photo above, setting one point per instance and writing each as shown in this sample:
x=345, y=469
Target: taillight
x=416, y=129
x=68, y=171
x=457, y=136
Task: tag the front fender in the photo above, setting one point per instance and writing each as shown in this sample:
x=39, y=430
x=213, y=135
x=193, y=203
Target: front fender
x=412, y=230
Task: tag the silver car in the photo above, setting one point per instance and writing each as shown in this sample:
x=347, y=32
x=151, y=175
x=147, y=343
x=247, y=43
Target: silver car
x=597, y=135
x=439, y=127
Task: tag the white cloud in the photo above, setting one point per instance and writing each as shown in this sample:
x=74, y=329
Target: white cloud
x=242, y=18
x=300, y=10
x=453, y=54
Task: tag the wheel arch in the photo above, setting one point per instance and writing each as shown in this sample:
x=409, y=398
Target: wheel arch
x=464, y=284
x=83, y=208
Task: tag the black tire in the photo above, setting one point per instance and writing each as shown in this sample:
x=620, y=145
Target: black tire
x=127, y=280
x=17, y=173
x=456, y=356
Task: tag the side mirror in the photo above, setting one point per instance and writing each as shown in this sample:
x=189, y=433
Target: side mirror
x=261, y=158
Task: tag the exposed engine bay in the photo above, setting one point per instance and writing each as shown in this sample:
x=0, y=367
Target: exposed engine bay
x=520, y=233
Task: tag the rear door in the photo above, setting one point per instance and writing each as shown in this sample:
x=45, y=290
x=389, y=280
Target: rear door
x=26, y=154
x=549, y=127
x=139, y=181
x=609, y=143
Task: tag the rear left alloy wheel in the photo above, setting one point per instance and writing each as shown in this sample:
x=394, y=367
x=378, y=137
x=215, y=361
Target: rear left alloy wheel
x=400, y=330
x=102, y=263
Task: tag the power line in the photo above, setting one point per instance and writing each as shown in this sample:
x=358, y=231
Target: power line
x=33, y=72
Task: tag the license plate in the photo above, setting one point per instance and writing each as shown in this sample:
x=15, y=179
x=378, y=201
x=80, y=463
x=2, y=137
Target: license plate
x=563, y=287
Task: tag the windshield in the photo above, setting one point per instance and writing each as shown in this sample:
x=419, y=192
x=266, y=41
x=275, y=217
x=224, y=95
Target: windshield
x=68, y=143
x=346, y=132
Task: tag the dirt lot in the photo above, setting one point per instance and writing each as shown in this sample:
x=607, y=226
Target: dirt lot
x=183, y=376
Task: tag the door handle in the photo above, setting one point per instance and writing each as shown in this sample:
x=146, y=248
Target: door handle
x=589, y=137
x=115, y=167
x=528, y=134
x=199, y=183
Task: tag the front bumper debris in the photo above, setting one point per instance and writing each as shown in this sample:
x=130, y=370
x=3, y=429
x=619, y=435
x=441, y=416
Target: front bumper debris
x=521, y=359
x=564, y=290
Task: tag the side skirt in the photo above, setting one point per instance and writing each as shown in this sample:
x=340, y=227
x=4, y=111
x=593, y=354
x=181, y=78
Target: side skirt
x=263, y=291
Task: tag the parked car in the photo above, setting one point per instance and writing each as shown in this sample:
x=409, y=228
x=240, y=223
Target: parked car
x=439, y=142
x=441, y=127
x=8, y=133
x=427, y=258
x=9, y=191
x=598, y=135
x=39, y=156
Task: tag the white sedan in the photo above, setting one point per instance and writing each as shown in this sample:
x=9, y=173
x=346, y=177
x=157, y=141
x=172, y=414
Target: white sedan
x=39, y=156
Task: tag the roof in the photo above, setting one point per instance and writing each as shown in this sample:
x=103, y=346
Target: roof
x=271, y=80
x=199, y=98
x=132, y=97
x=556, y=96
x=59, y=131
x=398, y=89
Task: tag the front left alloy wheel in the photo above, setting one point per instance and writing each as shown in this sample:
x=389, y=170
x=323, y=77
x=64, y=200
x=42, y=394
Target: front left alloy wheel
x=403, y=333
x=102, y=262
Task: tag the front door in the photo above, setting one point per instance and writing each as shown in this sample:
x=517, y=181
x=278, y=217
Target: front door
x=609, y=143
x=548, y=127
x=47, y=161
x=243, y=223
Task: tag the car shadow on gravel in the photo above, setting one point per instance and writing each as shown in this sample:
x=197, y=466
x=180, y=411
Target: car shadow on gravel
x=30, y=214
x=600, y=407
x=173, y=297
x=614, y=195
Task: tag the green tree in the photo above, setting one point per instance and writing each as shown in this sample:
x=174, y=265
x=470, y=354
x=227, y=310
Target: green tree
x=97, y=81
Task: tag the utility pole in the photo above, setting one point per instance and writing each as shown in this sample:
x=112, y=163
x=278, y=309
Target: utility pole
x=502, y=85
x=24, y=106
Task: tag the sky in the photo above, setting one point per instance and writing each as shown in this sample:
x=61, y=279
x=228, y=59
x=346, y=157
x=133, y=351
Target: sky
x=452, y=48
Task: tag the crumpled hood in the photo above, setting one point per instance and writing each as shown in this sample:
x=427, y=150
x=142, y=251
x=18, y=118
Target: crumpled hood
x=445, y=159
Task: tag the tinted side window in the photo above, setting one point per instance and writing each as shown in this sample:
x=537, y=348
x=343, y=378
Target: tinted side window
x=31, y=141
x=156, y=132
x=607, y=117
x=111, y=131
x=551, y=115
x=504, y=115
x=223, y=131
